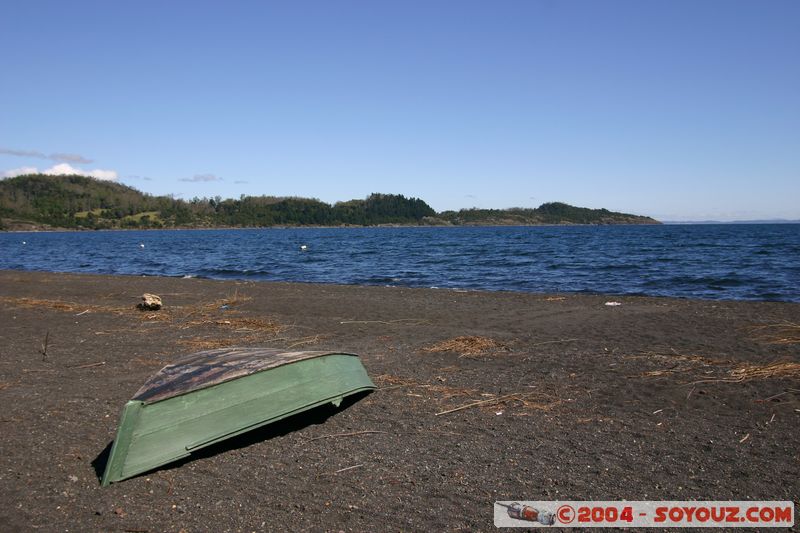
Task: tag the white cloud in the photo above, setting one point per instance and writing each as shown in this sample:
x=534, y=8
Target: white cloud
x=202, y=178
x=19, y=172
x=61, y=169
x=65, y=169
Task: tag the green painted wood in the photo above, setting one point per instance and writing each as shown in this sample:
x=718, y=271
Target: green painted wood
x=153, y=434
x=119, y=450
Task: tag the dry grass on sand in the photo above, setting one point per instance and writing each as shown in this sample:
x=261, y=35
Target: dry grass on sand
x=781, y=333
x=467, y=346
x=712, y=368
x=220, y=321
x=778, y=369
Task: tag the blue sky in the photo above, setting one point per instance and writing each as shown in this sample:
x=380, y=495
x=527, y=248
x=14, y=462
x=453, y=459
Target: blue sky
x=680, y=110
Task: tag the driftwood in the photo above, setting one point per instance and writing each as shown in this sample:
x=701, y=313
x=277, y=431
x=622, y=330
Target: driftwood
x=348, y=468
x=353, y=434
x=43, y=350
x=88, y=365
x=482, y=402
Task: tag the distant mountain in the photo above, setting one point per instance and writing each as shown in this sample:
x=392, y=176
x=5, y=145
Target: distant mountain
x=38, y=201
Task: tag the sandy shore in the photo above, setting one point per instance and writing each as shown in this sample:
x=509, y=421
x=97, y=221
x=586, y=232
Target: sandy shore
x=653, y=399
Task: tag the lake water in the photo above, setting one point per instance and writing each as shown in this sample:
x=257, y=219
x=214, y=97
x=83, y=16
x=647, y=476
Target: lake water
x=758, y=262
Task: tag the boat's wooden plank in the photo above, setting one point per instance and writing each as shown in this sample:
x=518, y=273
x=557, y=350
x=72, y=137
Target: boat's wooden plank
x=211, y=367
x=282, y=379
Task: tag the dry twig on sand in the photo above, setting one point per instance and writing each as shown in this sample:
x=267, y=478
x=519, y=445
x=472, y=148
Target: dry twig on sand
x=88, y=365
x=43, y=350
x=404, y=321
x=313, y=339
x=347, y=468
x=776, y=396
x=352, y=434
x=436, y=391
x=161, y=316
x=517, y=396
x=237, y=323
x=475, y=404
x=236, y=298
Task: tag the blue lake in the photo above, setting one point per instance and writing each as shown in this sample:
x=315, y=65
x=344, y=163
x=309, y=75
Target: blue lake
x=749, y=262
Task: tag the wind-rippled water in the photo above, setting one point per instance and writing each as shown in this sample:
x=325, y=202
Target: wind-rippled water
x=750, y=262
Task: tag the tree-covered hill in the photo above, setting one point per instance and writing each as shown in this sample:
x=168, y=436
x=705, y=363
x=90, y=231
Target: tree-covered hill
x=548, y=213
x=40, y=201
x=81, y=202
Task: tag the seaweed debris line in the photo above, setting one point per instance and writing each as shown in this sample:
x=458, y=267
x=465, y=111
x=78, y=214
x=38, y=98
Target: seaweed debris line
x=213, y=395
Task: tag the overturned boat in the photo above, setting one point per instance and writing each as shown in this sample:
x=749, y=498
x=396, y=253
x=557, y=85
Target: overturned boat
x=213, y=395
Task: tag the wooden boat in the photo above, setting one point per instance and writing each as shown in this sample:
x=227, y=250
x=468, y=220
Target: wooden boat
x=213, y=395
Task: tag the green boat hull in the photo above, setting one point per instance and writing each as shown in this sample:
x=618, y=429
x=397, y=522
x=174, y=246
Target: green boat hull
x=178, y=415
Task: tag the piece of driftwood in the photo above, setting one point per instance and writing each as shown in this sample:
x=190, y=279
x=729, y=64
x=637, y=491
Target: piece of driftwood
x=481, y=402
x=352, y=434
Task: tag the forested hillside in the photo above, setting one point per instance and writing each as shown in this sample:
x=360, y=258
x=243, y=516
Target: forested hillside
x=549, y=213
x=40, y=201
x=81, y=202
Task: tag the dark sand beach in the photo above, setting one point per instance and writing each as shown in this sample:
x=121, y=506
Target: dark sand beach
x=652, y=399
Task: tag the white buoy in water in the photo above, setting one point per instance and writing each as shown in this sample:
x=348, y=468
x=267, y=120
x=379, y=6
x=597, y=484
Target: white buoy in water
x=141, y=245
x=24, y=242
x=303, y=247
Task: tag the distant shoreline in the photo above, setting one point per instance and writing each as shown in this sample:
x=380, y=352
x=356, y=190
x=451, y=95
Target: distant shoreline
x=220, y=228
x=308, y=226
x=80, y=202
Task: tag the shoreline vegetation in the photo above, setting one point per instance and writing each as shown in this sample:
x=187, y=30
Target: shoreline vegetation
x=38, y=202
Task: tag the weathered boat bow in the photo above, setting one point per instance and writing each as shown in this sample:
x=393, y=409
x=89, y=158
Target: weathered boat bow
x=213, y=395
